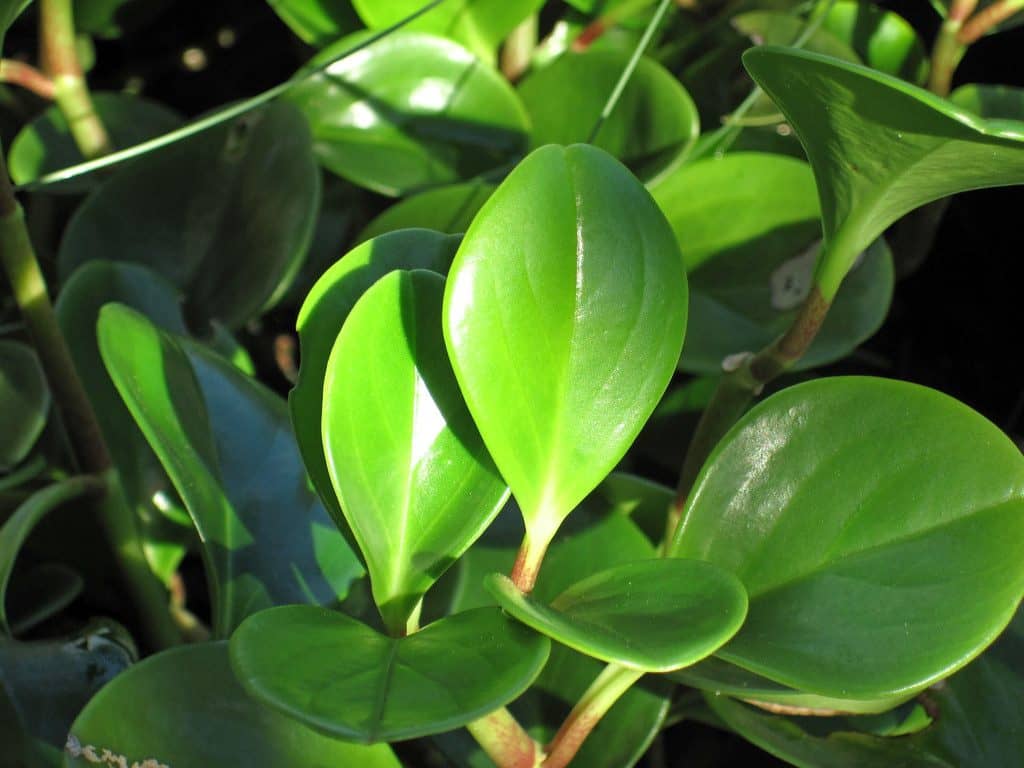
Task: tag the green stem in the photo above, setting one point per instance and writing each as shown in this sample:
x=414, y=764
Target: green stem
x=947, y=51
x=58, y=55
x=531, y=555
x=631, y=65
x=519, y=47
x=744, y=377
x=503, y=739
x=609, y=686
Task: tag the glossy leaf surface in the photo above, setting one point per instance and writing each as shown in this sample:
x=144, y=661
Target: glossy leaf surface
x=339, y=676
x=747, y=224
x=317, y=22
x=651, y=615
x=444, y=209
x=226, y=443
x=187, y=710
x=653, y=125
x=564, y=317
x=480, y=25
x=24, y=402
x=320, y=321
x=410, y=111
x=245, y=192
x=45, y=145
x=414, y=480
x=879, y=147
x=869, y=512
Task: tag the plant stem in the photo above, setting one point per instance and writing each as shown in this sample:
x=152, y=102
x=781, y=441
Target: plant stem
x=26, y=76
x=592, y=706
x=59, y=58
x=986, y=19
x=519, y=47
x=503, y=739
x=744, y=377
x=947, y=51
x=631, y=65
x=527, y=565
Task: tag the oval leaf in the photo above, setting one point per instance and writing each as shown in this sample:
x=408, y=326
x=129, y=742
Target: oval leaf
x=649, y=615
x=410, y=111
x=227, y=445
x=24, y=402
x=860, y=514
x=242, y=193
x=343, y=678
x=873, y=165
x=653, y=125
x=45, y=145
x=320, y=321
x=564, y=317
x=412, y=475
x=184, y=708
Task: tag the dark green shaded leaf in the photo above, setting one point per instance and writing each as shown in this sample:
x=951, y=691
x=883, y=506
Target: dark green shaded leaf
x=24, y=402
x=245, y=192
x=411, y=473
x=227, y=444
x=882, y=39
x=318, y=22
x=870, y=512
x=991, y=101
x=39, y=594
x=341, y=677
x=184, y=708
x=410, y=111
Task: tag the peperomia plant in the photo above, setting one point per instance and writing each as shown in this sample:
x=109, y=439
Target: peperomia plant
x=527, y=291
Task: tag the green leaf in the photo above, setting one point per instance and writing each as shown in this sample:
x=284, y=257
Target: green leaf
x=882, y=39
x=652, y=127
x=410, y=111
x=184, y=708
x=226, y=443
x=110, y=19
x=480, y=25
x=991, y=101
x=599, y=533
x=17, y=528
x=445, y=209
x=748, y=238
x=722, y=678
x=879, y=147
x=650, y=615
x=766, y=27
x=45, y=145
x=341, y=677
x=40, y=594
x=564, y=317
x=9, y=10
x=49, y=681
x=24, y=402
x=320, y=321
x=860, y=514
x=412, y=475
x=318, y=22
x=140, y=473
x=244, y=192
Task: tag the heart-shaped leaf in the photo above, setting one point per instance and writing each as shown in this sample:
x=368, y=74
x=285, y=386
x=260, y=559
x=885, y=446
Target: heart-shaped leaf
x=344, y=679
x=245, y=192
x=564, y=317
x=317, y=22
x=184, y=708
x=227, y=444
x=410, y=111
x=413, y=478
x=860, y=514
x=445, y=209
x=480, y=25
x=649, y=615
x=748, y=239
x=18, y=526
x=320, y=321
x=24, y=402
x=653, y=125
x=879, y=147
x=45, y=145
